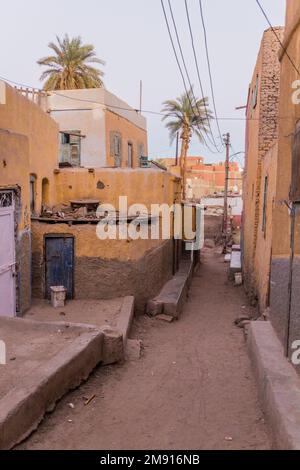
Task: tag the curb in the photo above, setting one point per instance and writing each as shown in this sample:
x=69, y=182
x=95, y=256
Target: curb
x=278, y=385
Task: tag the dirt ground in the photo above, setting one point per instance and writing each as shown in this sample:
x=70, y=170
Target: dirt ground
x=193, y=388
x=92, y=312
x=29, y=346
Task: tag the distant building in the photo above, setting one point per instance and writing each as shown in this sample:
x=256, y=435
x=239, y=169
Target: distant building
x=206, y=179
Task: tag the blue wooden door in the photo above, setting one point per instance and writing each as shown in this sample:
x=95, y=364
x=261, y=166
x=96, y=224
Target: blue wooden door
x=59, y=264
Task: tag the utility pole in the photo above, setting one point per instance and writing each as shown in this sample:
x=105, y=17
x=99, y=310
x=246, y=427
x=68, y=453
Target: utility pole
x=225, y=217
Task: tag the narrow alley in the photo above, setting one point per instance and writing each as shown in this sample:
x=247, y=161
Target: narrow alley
x=193, y=388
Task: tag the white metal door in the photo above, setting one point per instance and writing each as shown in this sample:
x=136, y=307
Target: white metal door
x=7, y=255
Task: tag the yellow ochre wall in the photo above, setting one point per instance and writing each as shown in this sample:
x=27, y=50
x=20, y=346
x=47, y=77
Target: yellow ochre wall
x=261, y=135
x=28, y=145
x=110, y=268
x=285, y=266
x=289, y=115
x=87, y=244
x=263, y=252
x=20, y=115
x=14, y=170
x=141, y=186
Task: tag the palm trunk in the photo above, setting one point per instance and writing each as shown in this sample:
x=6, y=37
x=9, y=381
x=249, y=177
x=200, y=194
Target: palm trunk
x=183, y=158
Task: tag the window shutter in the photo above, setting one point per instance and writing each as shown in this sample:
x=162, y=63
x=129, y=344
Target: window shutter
x=112, y=144
x=117, y=149
x=141, y=150
x=120, y=148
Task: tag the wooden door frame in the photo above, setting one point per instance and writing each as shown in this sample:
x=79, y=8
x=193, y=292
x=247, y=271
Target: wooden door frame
x=58, y=235
x=16, y=194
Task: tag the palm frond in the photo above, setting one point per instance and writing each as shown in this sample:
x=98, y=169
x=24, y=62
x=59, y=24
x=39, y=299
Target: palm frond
x=68, y=67
x=187, y=111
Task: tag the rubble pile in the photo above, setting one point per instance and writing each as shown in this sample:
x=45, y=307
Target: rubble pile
x=69, y=212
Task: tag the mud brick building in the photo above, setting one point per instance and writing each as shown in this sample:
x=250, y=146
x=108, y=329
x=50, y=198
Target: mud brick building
x=285, y=269
x=260, y=168
x=206, y=179
x=28, y=154
x=44, y=240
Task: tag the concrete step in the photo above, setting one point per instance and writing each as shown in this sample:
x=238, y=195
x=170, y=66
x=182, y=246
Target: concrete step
x=173, y=295
x=235, y=264
x=278, y=385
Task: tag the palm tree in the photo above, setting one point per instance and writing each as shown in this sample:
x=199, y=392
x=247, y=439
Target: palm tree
x=68, y=68
x=188, y=116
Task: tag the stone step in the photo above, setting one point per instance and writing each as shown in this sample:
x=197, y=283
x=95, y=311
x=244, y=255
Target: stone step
x=172, y=297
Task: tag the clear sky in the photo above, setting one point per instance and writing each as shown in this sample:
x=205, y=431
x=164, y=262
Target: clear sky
x=131, y=36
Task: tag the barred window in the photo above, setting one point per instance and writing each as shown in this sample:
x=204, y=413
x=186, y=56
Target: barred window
x=6, y=199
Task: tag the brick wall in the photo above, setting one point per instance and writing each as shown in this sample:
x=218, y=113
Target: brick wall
x=262, y=134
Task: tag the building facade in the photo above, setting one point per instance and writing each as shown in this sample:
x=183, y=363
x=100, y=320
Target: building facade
x=260, y=168
x=48, y=211
x=272, y=182
x=28, y=155
x=97, y=129
x=102, y=268
x=285, y=268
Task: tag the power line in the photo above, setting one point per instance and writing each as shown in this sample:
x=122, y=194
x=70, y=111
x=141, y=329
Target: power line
x=83, y=100
x=277, y=37
x=173, y=46
x=178, y=61
x=198, y=74
x=212, y=141
x=176, y=56
x=158, y=113
x=209, y=66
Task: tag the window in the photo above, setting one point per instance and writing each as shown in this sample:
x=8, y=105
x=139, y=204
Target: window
x=141, y=150
x=116, y=148
x=265, y=203
x=6, y=199
x=70, y=148
x=130, y=155
x=32, y=192
x=255, y=94
x=45, y=192
x=143, y=159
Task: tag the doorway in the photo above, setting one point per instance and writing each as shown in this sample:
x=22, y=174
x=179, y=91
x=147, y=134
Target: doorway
x=7, y=255
x=59, y=259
